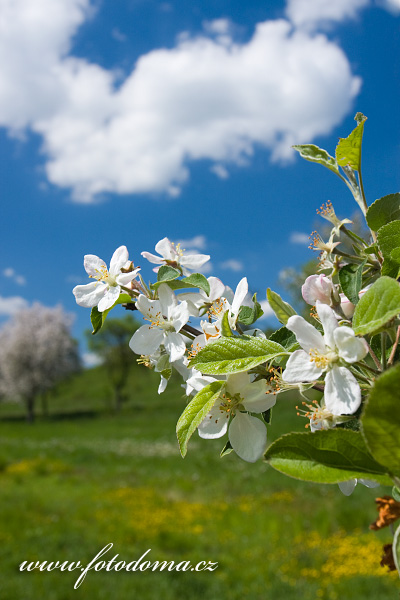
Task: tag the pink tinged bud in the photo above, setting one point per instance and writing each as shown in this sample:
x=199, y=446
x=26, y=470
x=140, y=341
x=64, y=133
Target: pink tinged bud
x=347, y=307
x=317, y=287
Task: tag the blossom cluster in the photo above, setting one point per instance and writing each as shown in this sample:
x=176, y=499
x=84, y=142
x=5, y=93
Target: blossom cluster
x=168, y=340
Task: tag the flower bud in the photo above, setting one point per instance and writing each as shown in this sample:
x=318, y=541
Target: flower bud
x=318, y=287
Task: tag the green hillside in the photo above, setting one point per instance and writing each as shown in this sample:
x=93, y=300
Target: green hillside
x=82, y=477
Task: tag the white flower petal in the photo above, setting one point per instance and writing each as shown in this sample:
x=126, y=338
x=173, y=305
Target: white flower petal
x=146, y=340
x=368, y=483
x=317, y=287
x=151, y=309
x=89, y=295
x=236, y=382
x=255, y=397
x=94, y=266
x=350, y=347
x=196, y=382
x=342, y=393
x=179, y=315
x=194, y=261
x=167, y=299
x=156, y=260
x=307, y=336
x=118, y=260
x=125, y=278
x=109, y=298
x=215, y=424
x=163, y=384
x=240, y=295
x=174, y=345
x=248, y=437
x=347, y=487
x=300, y=368
x=166, y=249
x=216, y=288
x=329, y=323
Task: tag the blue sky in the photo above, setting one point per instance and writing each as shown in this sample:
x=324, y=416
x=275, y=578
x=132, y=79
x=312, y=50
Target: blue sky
x=123, y=122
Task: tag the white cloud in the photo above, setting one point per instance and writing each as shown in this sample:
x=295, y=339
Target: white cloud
x=296, y=237
x=318, y=13
x=206, y=98
x=198, y=241
x=392, y=6
x=11, y=274
x=220, y=171
x=11, y=305
x=232, y=265
x=268, y=312
x=91, y=359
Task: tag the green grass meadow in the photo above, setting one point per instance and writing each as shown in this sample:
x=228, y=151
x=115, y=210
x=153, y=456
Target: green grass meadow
x=82, y=477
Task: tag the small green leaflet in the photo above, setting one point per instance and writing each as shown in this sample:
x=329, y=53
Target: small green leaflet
x=165, y=274
x=381, y=420
x=225, y=327
x=282, y=309
x=328, y=456
x=377, y=307
x=195, y=280
x=97, y=318
x=318, y=155
x=235, y=354
x=350, y=278
x=383, y=211
x=195, y=412
x=248, y=315
x=348, y=150
x=286, y=338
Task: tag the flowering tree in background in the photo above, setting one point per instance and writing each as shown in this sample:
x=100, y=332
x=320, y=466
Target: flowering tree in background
x=343, y=361
x=36, y=352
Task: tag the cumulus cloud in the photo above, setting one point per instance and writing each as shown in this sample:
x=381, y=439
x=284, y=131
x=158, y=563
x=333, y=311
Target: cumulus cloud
x=198, y=241
x=296, y=237
x=209, y=97
x=11, y=274
x=220, y=171
x=392, y=6
x=11, y=305
x=319, y=13
x=232, y=265
x=268, y=312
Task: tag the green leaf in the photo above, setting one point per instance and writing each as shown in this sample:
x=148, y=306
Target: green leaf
x=165, y=274
x=348, y=150
x=350, y=278
x=327, y=456
x=389, y=241
x=197, y=280
x=249, y=314
x=285, y=338
x=383, y=211
x=235, y=354
x=377, y=306
x=227, y=449
x=396, y=549
x=195, y=412
x=97, y=318
x=282, y=309
x=381, y=420
x=225, y=327
x=318, y=155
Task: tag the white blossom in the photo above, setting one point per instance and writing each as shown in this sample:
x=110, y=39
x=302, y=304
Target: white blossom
x=105, y=291
x=174, y=256
x=166, y=317
x=327, y=354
